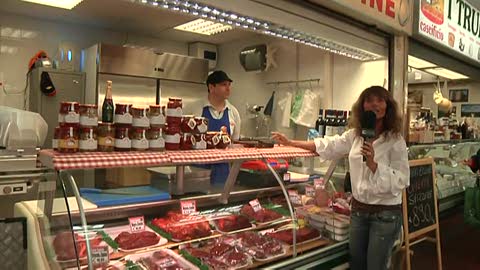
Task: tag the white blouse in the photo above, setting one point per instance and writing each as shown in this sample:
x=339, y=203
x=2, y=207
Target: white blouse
x=383, y=187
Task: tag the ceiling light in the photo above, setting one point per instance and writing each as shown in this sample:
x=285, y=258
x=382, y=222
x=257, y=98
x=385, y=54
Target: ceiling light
x=445, y=73
x=66, y=4
x=419, y=63
x=203, y=27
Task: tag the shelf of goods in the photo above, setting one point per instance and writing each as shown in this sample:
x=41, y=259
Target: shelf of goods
x=225, y=231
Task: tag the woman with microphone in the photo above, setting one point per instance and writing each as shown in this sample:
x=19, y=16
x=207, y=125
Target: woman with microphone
x=379, y=172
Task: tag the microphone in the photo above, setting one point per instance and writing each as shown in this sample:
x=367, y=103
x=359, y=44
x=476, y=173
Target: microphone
x=367, y=121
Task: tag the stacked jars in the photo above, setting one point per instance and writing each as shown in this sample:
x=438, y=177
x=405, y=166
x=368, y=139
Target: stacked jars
x=174, y=114
x=67, y=134
x=88, y=128
x=140, y=125
x=123, y=127
x=200, y=131
x=156, y=115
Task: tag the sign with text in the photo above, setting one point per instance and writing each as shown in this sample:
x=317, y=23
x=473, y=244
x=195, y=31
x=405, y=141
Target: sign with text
x=137, y=224
x=286, y=177
x=100, y=256
x=294, y=197
x=319, y=183
x=310, y=191
x=452, y=23
x=188, y=207
x=255, y=205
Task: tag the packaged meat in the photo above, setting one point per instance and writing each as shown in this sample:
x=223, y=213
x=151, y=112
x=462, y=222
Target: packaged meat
x=336, y=230
x=219, y=249
x=163, y=259
x=236, y=259
x=262, y=216
x=216, y=264
x=183, y=227
x=338, y=221
x=232, y=223
x=261, y=247
x=302, y=235
x=64, y=246
x=337, y=237
x=129, y=242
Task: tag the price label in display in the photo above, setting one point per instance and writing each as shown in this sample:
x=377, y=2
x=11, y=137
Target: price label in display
x=294, y=197
x=255, y=205
x=310, y=191
x=188, y=207
x=271, y=230
x=137, y=224
x=100, y=256
x=319, y=183
x=286, y=177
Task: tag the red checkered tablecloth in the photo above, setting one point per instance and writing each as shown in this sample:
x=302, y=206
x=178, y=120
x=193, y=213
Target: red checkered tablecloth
x=213, y=155
x=60, y=161
x=285, y=152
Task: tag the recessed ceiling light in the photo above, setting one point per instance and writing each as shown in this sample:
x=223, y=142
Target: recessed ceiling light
x=419, y=63
x=445, y=73
x=203, y=27
x=66, y=4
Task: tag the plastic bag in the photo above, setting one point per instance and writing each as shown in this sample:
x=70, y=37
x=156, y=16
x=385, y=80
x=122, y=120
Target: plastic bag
x=284, y=107
x=471, y=214
x=305, y=107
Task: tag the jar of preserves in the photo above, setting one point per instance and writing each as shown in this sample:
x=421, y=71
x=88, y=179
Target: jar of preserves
x=122, y=139
x=88, y=115
x=140, y=118
x=88, y=139
x=56, y=137
x=212, y=139
x=201, y=126
x=172, y=137
x=69, y=113
x=156, y=115
x=187, y=141
x=139, y=139
x=123, y=114
x=188, y=124
x=174, y=111
x=106, y=137
x=155, y=139
x=224, y=141
x=200, y=142
x=68, y=141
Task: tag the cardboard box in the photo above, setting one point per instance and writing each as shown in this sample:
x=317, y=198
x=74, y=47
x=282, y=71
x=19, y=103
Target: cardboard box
x=126, y=177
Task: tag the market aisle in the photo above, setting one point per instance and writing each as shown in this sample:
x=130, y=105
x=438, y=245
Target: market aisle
x=459, y=246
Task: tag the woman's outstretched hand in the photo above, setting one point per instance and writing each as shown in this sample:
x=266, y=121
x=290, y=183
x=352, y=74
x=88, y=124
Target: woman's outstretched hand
x=280, y=138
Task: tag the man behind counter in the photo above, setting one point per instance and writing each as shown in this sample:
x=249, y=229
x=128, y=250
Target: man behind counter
x=221, y=113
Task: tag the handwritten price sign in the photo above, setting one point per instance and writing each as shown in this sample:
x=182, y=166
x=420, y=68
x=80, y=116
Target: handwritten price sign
x=137, y=224
x=294, y=197
x=100, y=256
x=255, y=205
x=188, y=207
x=319, y=183
x=310, y=191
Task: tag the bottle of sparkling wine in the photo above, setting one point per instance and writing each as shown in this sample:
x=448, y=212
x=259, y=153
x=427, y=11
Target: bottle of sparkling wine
x=107, y=107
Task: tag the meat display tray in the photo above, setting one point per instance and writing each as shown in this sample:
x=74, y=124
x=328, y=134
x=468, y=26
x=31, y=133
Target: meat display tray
x=113, y=232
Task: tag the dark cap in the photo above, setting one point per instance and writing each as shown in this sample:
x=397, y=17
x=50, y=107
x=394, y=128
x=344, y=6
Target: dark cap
x=218, y=76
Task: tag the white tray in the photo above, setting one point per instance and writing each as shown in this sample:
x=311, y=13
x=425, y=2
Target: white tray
x=113, y=232
x=336, y=230
x=183, y=262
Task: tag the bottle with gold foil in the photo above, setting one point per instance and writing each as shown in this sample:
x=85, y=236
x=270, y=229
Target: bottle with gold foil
x=107, y=107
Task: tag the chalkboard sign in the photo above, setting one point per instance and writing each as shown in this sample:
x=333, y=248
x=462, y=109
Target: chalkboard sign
x=420, y=198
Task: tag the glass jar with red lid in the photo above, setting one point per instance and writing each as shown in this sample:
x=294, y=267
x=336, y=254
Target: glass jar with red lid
x=123, y=113
x=200, y=142
x=68, y=141
x=140, y=118
x=88, y=139
x=172, y=137
x=201, y=126
x=213, y=139
x=56, y=137
x=89, y=115
x=69, y=113
x=156, y=114
x=122, y=139
x=187, y=141
x=188, y=124
x=106, y=137
x=174, y=111
x=156, y=142
x=139, y=139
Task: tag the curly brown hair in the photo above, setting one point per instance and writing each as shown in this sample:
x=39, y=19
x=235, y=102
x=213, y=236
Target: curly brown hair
x=392, y=122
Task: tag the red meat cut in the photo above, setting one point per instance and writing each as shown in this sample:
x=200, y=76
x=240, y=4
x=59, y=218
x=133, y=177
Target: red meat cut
x=263, y=215
x=232, y=223
x=183, y=227
x=127, y=240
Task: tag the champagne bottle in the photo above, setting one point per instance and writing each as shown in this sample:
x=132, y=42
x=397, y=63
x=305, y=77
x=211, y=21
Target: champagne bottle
x=107, y=107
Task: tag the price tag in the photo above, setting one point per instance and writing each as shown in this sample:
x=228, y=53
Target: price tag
x=294, y=197
x=286, y=177
x=188, y=207
x=100, y=256
x=137, y=224
x=319, y=183
x=266, y=231
x=310, y=191
x=255, y=205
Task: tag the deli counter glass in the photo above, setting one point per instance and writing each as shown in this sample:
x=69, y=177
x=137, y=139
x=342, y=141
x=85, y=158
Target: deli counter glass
x=144, y=210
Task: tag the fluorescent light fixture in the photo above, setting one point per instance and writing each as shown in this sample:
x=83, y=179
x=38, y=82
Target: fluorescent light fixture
x=445, y=73
x=419, y=63
x=66, y=4
x=203, y=27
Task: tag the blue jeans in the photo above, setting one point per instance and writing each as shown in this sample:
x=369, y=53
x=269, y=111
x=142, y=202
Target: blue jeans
x=372, y=236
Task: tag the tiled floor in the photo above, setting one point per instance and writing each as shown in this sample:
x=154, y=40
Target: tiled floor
x=460, y=246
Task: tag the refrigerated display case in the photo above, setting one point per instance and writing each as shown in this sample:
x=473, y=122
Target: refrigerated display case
x=228, y=223
x=452, y=173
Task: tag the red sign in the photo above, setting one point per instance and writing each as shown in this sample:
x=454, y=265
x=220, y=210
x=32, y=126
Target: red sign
x=137, y=224
x=389, y=5
x=188, y=207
